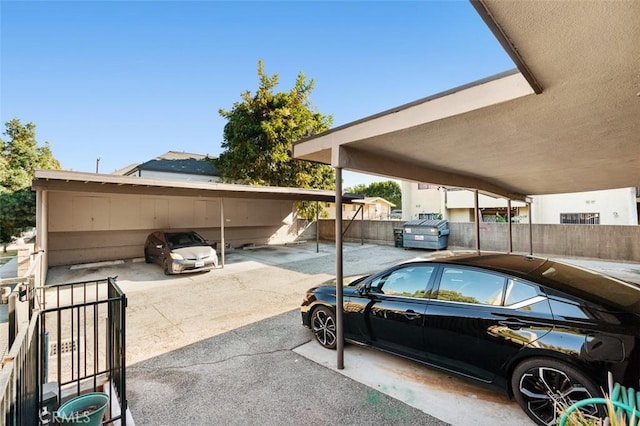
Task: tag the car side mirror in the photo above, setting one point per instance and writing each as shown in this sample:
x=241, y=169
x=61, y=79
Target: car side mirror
x=364, y=289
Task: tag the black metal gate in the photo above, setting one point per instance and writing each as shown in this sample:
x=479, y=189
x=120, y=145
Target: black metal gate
x=82, y=342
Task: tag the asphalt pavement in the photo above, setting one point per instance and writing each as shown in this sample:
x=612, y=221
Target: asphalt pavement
x=251, y=376
x=227, y=347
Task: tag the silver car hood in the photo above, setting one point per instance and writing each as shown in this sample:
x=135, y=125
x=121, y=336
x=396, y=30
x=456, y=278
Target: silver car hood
x=195, y=252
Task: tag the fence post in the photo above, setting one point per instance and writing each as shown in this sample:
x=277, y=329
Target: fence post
x=12, y=319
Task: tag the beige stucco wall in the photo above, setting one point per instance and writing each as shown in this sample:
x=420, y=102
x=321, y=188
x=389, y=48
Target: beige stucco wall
x=95, y=227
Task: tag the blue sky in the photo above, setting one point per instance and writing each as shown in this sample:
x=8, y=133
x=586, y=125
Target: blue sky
x=126, y=81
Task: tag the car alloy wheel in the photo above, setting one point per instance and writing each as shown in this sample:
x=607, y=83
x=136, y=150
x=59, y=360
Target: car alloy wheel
x=323, y=324
x=546, y=387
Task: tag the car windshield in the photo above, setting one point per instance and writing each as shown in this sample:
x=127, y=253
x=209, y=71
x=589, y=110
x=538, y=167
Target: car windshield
x=184, y=239
x=592, y=285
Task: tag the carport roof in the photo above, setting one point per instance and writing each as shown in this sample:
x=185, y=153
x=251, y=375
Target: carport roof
x=62, y=180
x=567, y=120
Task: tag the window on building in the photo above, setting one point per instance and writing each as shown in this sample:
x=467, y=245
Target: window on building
x=422, y=186
x=429, y=216
x=580, y=218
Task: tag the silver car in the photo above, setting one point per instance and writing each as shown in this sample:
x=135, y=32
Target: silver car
x=180, y=251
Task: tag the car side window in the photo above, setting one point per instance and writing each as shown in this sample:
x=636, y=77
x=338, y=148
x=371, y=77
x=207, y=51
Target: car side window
x=471, y=286
x=518, y=291
x=410, y=281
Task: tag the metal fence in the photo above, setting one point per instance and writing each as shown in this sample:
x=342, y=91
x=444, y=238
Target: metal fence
x=82, y=326
x=64, y=340
x=19, y=384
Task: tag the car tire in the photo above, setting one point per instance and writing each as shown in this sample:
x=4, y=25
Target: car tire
x=147, y=259
x=323, y=325
x=544, y=387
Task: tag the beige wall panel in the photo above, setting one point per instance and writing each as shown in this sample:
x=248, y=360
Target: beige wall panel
x=236, y=213
x=86, y=228
x=154, y=213
x=206, y=213
x=60, y=211
x=125, y=212
x=147, y=213
x=181, y=212
x=162, y=218
x=264, y=212
x=90, y=213
x=81, y=213
x=70, y=248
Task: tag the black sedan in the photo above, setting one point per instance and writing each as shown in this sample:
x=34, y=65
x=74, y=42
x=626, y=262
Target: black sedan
x=180, y=251
x=542, y=331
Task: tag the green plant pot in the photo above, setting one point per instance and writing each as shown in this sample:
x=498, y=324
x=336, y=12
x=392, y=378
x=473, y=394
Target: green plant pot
x=85, y=410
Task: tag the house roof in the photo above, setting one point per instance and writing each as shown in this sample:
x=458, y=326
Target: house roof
x=566, y=120
x=175, y=162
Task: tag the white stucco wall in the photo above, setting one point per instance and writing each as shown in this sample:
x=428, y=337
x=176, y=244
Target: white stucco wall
x=415, y=201
x=452, y=204
x=614, y=206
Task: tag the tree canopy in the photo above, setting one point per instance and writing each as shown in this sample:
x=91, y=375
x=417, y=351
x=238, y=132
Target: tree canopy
x=20, y=157
x=389, y=190
x=259, y=136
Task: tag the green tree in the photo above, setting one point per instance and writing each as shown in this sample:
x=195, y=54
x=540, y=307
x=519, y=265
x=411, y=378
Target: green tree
x=20, y=157
x=259, y=136
x=389, y=190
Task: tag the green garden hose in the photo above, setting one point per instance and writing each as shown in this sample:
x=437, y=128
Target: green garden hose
x=623, y=400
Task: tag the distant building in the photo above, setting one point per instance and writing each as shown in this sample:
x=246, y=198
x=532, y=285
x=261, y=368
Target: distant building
x=175, y=165
x=373, y=208
x=607, y=207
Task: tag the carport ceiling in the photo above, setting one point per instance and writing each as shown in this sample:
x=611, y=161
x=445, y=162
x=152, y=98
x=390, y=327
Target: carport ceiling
x=57, y=180
x=567, y=120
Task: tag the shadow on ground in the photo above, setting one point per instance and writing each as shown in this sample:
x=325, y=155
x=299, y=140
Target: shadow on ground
x=251, y=376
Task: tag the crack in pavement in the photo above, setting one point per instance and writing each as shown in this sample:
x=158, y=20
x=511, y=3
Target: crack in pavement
x=180, y=367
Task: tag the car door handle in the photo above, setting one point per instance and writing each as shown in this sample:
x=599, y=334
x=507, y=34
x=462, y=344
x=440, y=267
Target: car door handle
x=512, y=323
x=411, y=315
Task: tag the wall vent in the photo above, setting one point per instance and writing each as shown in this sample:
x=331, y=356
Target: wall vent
x=66, y=346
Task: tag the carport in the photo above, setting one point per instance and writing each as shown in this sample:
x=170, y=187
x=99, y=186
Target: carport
x=86, y=217
x=566, y=120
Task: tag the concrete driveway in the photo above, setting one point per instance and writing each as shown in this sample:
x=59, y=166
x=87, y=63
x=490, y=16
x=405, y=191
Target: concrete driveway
x=227, y=347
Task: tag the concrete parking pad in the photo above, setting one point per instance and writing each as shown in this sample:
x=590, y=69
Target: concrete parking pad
x=450, y=399
x=168, y=312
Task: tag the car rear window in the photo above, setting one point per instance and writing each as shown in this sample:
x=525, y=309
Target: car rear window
x=591, y=285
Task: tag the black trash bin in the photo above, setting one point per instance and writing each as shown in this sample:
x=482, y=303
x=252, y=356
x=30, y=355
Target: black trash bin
x=397, y=237
x=427, y=234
